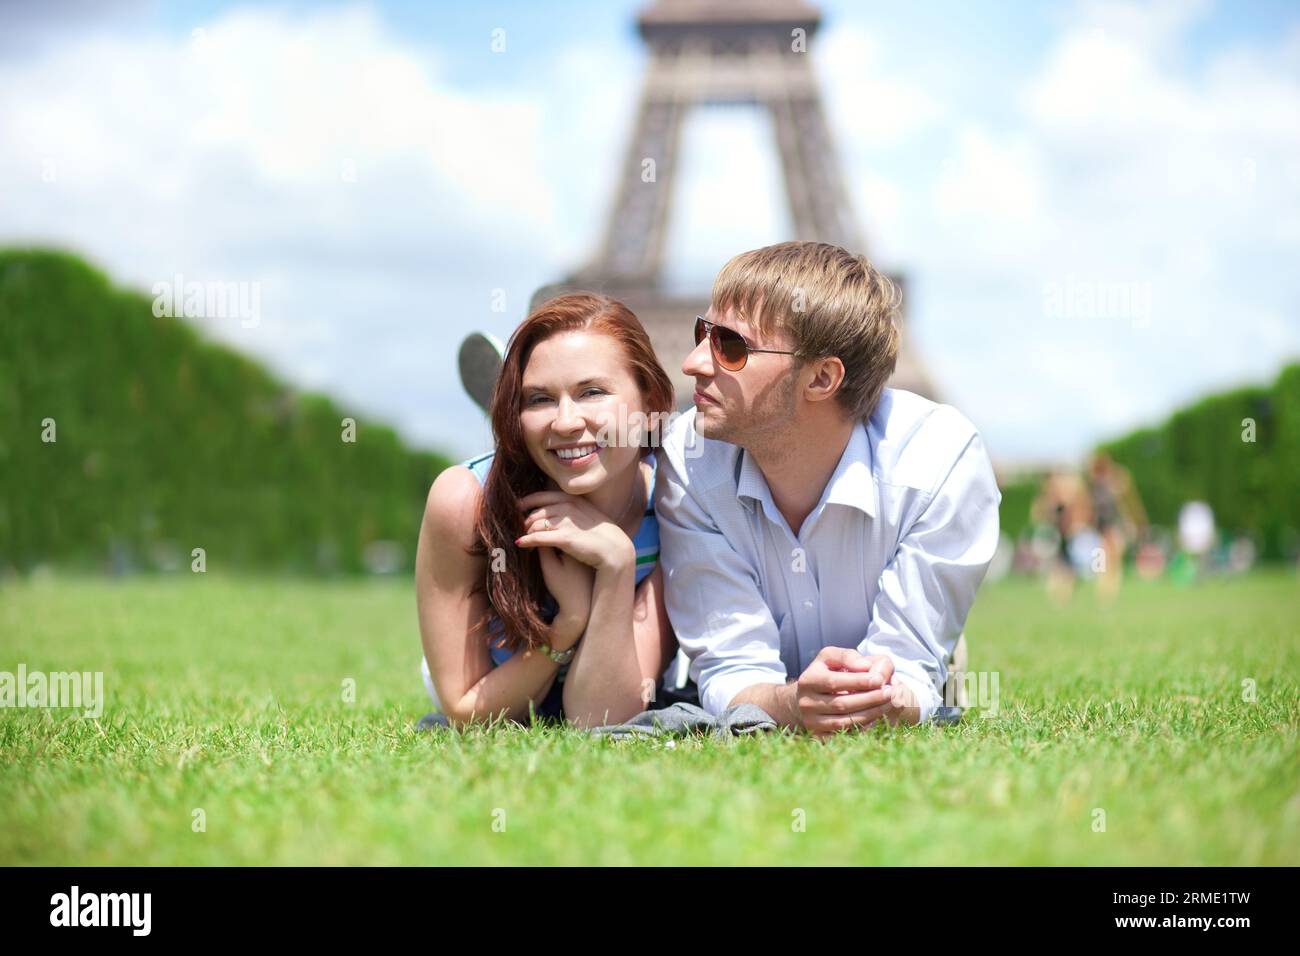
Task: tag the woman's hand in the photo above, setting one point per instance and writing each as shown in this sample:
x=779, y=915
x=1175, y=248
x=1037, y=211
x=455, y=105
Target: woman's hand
x=569, y=581
x=575, y=526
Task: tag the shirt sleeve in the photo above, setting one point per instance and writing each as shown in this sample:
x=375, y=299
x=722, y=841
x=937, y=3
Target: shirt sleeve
x=927, y=589
x=712, y=597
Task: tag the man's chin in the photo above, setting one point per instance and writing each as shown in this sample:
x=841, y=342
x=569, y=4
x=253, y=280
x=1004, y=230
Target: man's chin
x=708, y=424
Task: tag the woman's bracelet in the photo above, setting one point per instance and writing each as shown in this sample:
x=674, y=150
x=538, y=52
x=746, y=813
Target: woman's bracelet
x=561, y=657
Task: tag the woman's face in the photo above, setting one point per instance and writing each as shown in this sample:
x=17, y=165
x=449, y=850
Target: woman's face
x=577, y=402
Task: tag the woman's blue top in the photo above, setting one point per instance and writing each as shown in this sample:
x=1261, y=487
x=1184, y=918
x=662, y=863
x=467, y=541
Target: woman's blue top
x=646, y=542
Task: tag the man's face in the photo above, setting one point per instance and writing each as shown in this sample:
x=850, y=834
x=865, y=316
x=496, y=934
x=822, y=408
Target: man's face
x=749, y=405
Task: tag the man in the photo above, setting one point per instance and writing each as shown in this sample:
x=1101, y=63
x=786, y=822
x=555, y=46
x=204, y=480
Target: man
x=823, y=536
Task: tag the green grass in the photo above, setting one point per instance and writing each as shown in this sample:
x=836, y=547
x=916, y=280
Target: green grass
x=226, y=695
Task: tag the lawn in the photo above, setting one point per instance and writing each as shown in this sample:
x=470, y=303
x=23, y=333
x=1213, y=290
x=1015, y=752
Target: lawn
x=1161, y=730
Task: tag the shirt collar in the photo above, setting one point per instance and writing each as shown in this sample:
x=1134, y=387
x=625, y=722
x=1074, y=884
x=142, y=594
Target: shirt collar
x=750, y=483
x=851, y=483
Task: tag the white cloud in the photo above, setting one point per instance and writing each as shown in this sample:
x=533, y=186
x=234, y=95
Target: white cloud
x=1118, y=166
x=990, y=178
x=882, y=104
x=319, y=156
x=230, y=155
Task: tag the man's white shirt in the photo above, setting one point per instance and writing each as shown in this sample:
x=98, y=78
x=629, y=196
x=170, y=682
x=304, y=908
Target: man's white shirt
x=888, y=562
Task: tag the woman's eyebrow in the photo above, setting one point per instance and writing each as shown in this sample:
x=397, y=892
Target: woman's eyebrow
x=534, y=387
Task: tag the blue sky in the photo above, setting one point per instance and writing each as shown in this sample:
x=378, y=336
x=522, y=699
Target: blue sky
x=1096, y=205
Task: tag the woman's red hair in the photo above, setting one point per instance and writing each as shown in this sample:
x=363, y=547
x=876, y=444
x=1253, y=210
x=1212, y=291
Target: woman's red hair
x=516, y=593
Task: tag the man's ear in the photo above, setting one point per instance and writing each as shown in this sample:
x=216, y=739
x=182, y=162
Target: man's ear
x=828, y=376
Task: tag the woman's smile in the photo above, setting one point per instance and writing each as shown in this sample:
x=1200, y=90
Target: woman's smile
x=576, y=457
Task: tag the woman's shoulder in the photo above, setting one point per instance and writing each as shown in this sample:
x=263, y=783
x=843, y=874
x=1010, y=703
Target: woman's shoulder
x=479, y=465
x=454, y=482
x=451, y=509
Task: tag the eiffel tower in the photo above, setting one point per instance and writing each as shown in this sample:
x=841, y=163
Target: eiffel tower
x=704, y=52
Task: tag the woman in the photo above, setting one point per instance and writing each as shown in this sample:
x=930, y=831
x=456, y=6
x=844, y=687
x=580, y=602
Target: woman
x=537, y=578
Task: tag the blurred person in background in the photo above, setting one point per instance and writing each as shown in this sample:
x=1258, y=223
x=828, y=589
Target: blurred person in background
x=1065, y=507
x=1118, y=516
x=1196, y=537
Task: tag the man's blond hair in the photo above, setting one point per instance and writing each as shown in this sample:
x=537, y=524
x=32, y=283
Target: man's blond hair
x=829, y=302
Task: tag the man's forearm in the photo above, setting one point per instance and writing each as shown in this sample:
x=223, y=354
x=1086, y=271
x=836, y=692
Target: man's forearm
x=779, y=700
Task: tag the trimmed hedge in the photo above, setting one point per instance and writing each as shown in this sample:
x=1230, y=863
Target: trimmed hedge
x=167, y=442
x=1202, y=453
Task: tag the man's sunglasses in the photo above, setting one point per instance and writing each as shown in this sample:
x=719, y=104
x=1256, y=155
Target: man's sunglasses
x=730, y=349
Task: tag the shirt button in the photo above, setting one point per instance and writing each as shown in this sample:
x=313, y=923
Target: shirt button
x=808, y=604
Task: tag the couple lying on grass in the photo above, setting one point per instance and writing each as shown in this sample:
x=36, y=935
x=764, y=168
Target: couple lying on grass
x=804, y=539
